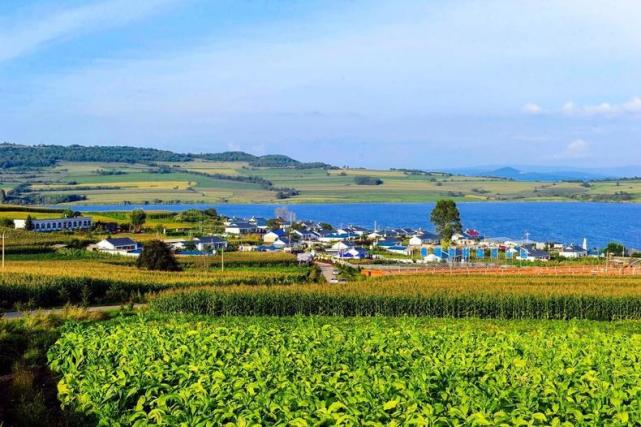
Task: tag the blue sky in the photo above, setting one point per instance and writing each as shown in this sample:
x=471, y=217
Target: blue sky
x=425, y=84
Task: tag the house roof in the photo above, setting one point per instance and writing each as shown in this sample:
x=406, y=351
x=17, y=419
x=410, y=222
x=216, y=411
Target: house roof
x=388, y=243
x=209, y=239
x=121, y=241
x=573, y=248
x=241, y=225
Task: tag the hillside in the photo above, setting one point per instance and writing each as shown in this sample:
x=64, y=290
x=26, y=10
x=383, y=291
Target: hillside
x=115, y=175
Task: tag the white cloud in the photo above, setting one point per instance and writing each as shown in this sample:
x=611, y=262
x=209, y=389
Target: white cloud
x=604, y=109
x=576, y=148
x=24, y=37
x=532, y=108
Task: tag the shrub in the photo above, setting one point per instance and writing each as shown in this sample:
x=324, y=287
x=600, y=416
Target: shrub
x=367, y=180
x=156, y=255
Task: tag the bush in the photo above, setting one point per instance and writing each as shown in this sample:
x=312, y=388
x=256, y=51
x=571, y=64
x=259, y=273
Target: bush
x=367, y=180
x=156, y=255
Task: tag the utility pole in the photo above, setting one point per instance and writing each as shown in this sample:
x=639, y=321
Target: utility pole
x=3, y=237
x=222, y=259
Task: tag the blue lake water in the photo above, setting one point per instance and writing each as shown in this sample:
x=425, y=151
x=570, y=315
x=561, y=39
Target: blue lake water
x=566, y=222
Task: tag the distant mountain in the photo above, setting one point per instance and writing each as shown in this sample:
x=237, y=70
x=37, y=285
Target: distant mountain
x=519, y=175
x=532, y=175
x=35, y=156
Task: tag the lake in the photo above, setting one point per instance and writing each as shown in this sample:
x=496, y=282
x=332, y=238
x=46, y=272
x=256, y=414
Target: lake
x=566, y=222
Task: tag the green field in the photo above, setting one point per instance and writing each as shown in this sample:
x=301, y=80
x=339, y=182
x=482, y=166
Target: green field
x=185, y=182
x=331, y=371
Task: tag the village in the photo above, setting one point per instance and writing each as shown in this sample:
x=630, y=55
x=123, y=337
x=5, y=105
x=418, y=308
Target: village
x=311, y=240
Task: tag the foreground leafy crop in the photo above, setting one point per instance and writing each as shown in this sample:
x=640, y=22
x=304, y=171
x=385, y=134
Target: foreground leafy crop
x=201, y=371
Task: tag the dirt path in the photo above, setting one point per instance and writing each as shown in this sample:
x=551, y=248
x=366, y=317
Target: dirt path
x=328, y=271
x=12, y=315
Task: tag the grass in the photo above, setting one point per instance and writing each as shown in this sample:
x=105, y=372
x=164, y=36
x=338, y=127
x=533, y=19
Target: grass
x=27, y=386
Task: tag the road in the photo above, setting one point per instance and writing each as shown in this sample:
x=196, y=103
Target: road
x=328, y=271
x=12, y=315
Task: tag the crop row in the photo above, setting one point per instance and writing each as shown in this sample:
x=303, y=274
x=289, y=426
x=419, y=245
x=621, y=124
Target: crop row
x=244, y=259
x=502, y=297
x=356, y=371
x=53, y=283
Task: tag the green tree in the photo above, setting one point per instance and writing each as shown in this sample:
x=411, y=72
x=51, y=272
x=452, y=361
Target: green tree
x=274, y=223
x=28, y=223
x=446, y=218
x=156, y=255
x=615, y=249
x=3, y=195
x=138, y=218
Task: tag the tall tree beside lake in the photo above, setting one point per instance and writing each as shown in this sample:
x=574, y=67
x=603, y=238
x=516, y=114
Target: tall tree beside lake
x=138, y=218
x=446, y=218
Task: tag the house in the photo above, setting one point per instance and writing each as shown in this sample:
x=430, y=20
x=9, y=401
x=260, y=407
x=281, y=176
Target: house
x=210, y=243
x=55, y=224
x=375, y=235
x=472, y=234
x=273, y=235
x=334, y=237
x=432, y=258
x=425, y=238
x=354, y=253
x=573, y=251
x=306, y=235
x=340, y=246
x=259, y=223
x=117, y=245
x=398, y=249
x=532, y=254
x=282, y=243
x=387, y=243
x=240, y=228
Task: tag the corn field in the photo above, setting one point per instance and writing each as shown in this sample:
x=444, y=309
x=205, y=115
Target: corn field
x=53, y=283
x=500, y=297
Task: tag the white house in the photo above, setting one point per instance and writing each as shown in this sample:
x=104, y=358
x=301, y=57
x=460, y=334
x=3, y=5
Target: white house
x=573, y=251
x=432, y=258
x=354, y=253
x=240, y=228
x=272, y=236
x=117, y=245
x=56, y=224
x=281, y=243
x=210, y=243
x=423, y=239
x=340, y=246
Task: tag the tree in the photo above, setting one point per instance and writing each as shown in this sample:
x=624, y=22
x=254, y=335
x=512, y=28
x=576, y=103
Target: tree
x=28, y=223
x=446, y=218
x=138, y=218
x=3, y=195
x=367, y=180
x=273, y=223
x=615, y=249
x=156, y=255
x=68, y=213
